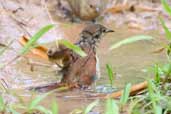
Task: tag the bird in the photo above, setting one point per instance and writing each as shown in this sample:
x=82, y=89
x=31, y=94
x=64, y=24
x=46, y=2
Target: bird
x=76, y=70
x=84, y=10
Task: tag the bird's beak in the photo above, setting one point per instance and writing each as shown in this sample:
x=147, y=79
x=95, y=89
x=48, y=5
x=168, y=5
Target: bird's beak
x=109, y=30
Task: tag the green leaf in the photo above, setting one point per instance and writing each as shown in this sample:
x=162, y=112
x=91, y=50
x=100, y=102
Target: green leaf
x=54, y=108
x=166, y=6
x=34, y=38
x=43, y=109
x=110, y=74
x=167, y=69
x=125, y=94
x=76, y=111
x=73, y=47
x=154, y=95
x=13, y=111
x=167, y=32
x=157, y=73
x=130, y=40
x=111, y=107
x=91, y=106
x=158, y=110
x=2, y=104
x=37, y=100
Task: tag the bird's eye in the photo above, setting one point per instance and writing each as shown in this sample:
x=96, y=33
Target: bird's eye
x=104, y=30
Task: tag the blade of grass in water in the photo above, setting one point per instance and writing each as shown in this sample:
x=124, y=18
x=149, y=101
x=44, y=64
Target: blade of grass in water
x=43, y=109
x=37, y=100
x=34, y=38
x=166, y=6
x=91, y=106
x=110, y=74
x=153, y=97
x=130, y=40
x=125, y=94
x=30, y=44
x=167, y=32
x=73, y=47
x=2, y=104
x=111, y=107
x=54, y=107
x=13, y=111
x=157, y=73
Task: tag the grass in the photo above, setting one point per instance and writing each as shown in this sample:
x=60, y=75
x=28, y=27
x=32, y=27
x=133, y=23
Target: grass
x=2, y=105
x=73, y=47
x=110, y=74
x=31, y=107
x=166, y=6
x=34, y=39
x=154, y=100
x=130, y=40
x=166, y=29
x=111, y=107
x=125, y=95
x=91, y=106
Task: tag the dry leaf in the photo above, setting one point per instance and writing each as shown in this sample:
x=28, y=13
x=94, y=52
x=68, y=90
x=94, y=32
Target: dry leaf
x=38, y=52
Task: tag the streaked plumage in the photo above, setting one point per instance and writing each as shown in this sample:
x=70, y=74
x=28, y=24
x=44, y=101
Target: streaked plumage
x=78, y=70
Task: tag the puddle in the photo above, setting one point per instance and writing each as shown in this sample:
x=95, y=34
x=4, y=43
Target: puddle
x=128, y=61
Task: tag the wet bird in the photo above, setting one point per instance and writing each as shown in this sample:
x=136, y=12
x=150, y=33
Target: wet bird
x=76, y=70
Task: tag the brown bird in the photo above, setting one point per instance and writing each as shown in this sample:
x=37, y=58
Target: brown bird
x=76, y=70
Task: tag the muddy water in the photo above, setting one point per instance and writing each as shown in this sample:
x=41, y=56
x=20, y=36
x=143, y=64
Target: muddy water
x=127, y=61
x=130, y=62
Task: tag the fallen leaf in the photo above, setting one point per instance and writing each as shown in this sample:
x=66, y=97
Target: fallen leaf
x=39, y=51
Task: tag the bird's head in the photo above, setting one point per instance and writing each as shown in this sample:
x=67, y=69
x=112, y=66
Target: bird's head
x=93, y=33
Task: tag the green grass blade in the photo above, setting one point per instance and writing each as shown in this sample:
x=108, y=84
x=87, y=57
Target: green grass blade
x=91, y=106
x=166, y=69
x=2, y=104
x=76, y=111
x=125, y=94
x=34, y=38
x=54, y=108
x=158, y=110
x=131, y=40
x=37, y=100
x=13, y=111
x=157, y=73
x=166, y=6
x=110, y=74
x=73, y=47
x=167, y=32
x=154, y=97
x=43, y=109
x=111, y=107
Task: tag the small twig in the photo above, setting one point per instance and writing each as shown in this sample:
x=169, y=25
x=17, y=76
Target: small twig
x=38, y=64
x=21, y=25
x=134, y=89
x=46, y=9
x=2, y=83
x=11, y=61
x=5, y=83
x=16, y=10
x=18, y=23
